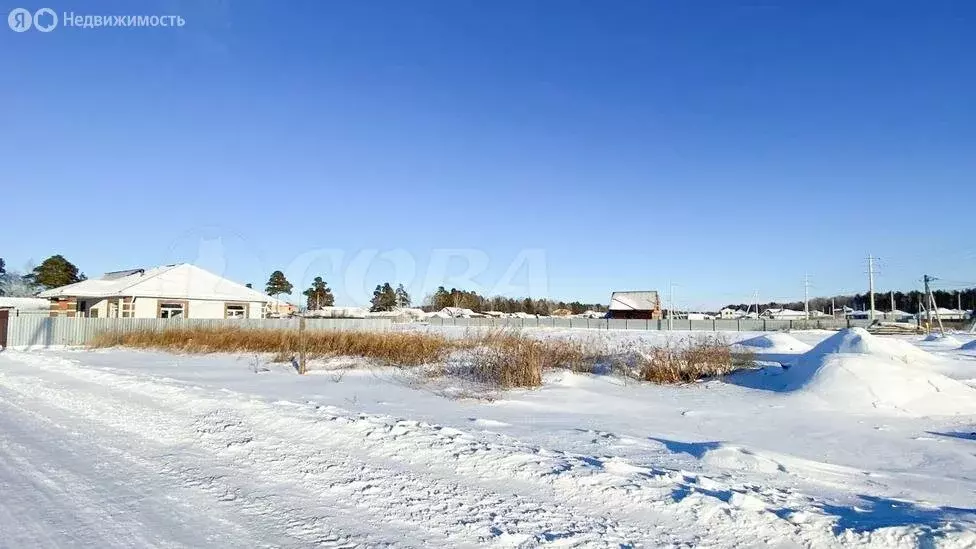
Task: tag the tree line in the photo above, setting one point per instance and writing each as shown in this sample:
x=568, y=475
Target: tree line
x=910, y=302
x=465, y=299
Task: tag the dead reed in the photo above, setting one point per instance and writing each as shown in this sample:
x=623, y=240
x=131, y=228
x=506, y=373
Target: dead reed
x=504, y=358
x=688, y=360
x=395, y=348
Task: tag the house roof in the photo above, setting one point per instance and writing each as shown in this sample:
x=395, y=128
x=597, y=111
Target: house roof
x=24, y=303
x=783, y=312
x=634, y=301
x=180, y=281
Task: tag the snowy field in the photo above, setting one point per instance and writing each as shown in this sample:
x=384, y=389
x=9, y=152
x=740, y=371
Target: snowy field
x=862, y=442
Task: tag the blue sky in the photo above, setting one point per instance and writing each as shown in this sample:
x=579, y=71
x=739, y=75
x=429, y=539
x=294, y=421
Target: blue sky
x=724, y=147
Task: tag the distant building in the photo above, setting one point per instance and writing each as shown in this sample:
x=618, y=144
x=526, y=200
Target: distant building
x=896, y=316
x=637, y=305
x=279, y=308
x=945, y=314
x=696, y=316
x=783, y=314
x=25, y=305
x=732, y=314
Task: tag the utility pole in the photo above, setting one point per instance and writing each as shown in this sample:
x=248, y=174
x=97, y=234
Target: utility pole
x=928, y=300
x=892, y=294
x=871, y=286
x=302, y=355
x=833, y=310
x=671, y=306
x=806, y=295
x=959, y=301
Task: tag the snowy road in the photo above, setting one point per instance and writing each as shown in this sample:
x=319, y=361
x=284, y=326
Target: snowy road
x=104, y=457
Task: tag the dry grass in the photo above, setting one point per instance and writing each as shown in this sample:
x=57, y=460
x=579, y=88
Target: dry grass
x=502, y=358
x=395, y=348
x=514, y=360
x=689, y=360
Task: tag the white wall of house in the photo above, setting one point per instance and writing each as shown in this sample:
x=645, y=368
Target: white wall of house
x=148, y=307
x=144, y=307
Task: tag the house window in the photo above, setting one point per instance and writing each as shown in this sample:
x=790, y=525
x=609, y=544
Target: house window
x=235, y=311
x=172, y=310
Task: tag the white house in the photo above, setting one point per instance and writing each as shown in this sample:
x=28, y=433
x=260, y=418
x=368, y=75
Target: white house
x=945, y=314
x=896, y=315
x=169, y=291
x=697, y=316
x=732, y=314
x=783, y=314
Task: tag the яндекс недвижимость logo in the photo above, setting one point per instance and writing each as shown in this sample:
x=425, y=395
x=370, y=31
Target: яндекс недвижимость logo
x=21, y=20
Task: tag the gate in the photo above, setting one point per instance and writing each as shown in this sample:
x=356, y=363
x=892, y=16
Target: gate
x=4, y=317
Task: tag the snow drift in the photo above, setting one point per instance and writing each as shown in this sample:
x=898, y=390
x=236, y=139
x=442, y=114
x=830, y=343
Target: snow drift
x=942, y=340
x=775, y=343
x=856, y=370
x=858, y=341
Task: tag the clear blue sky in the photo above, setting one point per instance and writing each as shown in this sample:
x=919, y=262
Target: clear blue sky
x=727, y=148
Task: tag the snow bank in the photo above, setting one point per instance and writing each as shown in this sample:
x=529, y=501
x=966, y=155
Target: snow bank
x=859, y=341
x=942, y=340
x=774, y=343
x=858, y=371
x=971, y=346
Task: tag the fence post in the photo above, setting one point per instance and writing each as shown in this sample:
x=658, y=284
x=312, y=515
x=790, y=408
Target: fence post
x=302, y=364
x=764, y=325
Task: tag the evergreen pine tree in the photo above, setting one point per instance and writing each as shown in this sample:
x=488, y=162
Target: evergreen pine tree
x=402, y=297
x=389, y=297
x=54, y=272
x=278, y=284
x=318, y=295
x=376, y=304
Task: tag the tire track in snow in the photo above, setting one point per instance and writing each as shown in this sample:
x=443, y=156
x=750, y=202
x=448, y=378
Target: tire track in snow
x=451, y=512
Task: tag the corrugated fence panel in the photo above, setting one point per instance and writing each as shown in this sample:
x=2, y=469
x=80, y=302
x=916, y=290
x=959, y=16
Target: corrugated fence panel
x=38, y=331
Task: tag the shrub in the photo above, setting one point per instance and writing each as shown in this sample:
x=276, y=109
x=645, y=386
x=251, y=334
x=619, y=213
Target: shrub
x=688, y=360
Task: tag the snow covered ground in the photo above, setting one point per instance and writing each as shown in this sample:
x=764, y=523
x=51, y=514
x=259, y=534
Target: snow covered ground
x=117, y=448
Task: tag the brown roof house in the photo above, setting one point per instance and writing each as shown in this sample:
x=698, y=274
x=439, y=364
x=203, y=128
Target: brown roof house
x=639, y=305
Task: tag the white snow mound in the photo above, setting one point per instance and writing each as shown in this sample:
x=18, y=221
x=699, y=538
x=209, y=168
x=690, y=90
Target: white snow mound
x=775, y=343
x=858, y=371
x=858, y=341
x=971, y=346
x=943, y=340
